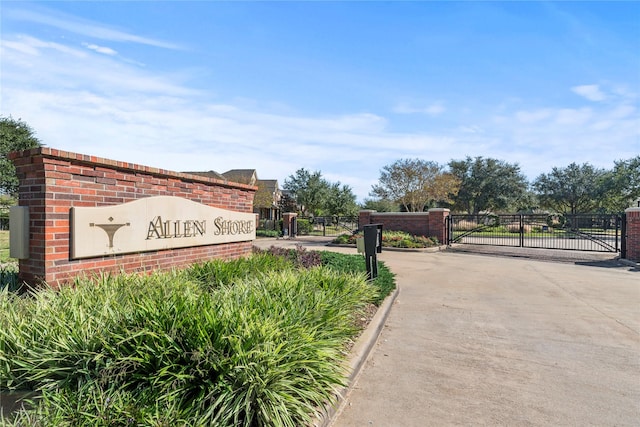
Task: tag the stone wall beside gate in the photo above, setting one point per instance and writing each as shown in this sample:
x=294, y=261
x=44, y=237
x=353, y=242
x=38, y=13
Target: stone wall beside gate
x=54, y=183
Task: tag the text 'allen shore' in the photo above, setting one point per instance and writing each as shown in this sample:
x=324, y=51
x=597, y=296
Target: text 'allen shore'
x=160, y=228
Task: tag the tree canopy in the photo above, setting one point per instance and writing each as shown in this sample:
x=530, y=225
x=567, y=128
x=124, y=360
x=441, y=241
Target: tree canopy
x=415, y=184
x=622, y=185
x=317, y=196
x=381, y=205
x=572, y=189
x=341, y=201
x=309, y=189
x=14, y=135
x=487, y=184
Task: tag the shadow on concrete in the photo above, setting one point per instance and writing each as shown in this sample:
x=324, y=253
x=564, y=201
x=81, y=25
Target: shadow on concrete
x=614, y=263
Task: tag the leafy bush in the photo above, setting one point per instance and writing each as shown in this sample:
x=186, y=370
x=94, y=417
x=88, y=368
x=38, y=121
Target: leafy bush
x=267, y=233
x=347, y=239
x=304, y=226
x=298, y=257
x=208, y=346
x=394, y=239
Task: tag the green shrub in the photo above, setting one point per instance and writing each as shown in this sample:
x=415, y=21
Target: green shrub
x=345, y=239
x=267, y=233
x=393, y=239
x=304, y=226
x=213, y=345
x=299, y=257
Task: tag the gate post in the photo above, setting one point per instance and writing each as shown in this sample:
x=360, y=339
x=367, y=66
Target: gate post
x=521, y=230
x=632, y=239
x=438, y=224
x=364, y=217
x=288, y=224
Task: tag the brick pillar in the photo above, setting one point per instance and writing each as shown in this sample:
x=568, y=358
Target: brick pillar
x=364, y=218
x=633, y=234
x=287, y=223
x=438, y=224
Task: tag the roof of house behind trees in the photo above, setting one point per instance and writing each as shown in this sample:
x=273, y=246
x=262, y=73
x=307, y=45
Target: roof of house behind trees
x=209, y=174
x=242, y=176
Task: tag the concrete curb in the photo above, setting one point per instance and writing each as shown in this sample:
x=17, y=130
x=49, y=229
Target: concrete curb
x=438, y=248
x=357, y=358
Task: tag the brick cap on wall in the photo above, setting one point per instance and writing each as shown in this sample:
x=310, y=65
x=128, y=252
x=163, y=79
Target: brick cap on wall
x=439, y=210
x=632, y=210
x=67, y=155
x=401, y=213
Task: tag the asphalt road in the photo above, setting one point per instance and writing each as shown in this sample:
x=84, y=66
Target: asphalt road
x=488, y=340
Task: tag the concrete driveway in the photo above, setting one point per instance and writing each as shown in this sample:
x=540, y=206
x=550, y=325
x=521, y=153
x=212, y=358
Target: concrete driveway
x=485, y=340
x=501, y=341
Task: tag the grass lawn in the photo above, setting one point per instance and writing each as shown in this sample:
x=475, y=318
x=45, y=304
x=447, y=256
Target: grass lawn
x=4, y=246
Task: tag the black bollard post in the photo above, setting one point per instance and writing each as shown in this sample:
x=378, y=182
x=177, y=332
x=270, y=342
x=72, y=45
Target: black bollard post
x=372, y=246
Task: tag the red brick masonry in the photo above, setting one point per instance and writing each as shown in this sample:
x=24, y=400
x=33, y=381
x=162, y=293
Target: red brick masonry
x=430, y=224
x=53, y=181
x=633, y=234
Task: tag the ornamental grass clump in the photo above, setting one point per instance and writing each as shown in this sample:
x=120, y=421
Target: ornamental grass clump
x=9, y=277
x=174, y=349
x=384, y=284
x=216, y=272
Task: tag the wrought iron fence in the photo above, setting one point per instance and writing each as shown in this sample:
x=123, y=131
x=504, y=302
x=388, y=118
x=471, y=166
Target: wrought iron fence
x=327, y=225
x=583, y=232
x=270, y=224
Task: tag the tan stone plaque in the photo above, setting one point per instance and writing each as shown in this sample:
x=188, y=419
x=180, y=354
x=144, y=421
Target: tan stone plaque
x=155, y=223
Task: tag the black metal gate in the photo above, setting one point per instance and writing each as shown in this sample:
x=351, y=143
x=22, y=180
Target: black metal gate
x=327, y=225
x=581, y=232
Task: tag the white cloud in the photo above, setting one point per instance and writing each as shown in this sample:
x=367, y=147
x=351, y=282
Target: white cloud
x=29, y=61
x=430, y=110
x=573, y=117
x=100, y=49
x=82, y=26
x=533, y=116
x=590, y=92
x=471, y=129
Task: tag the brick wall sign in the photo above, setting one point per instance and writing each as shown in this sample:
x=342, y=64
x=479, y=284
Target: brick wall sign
x=153, y=224
x=83, y=214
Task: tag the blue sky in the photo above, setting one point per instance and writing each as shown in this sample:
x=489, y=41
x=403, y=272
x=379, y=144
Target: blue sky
x=341, y=87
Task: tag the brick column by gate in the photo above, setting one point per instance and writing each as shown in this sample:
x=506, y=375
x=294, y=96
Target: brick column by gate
x=633, y=234
x=288, y=221
x=438, y=224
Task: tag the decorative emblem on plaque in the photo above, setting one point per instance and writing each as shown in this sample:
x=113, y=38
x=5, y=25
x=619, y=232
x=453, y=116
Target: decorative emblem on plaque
x=110, y=229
